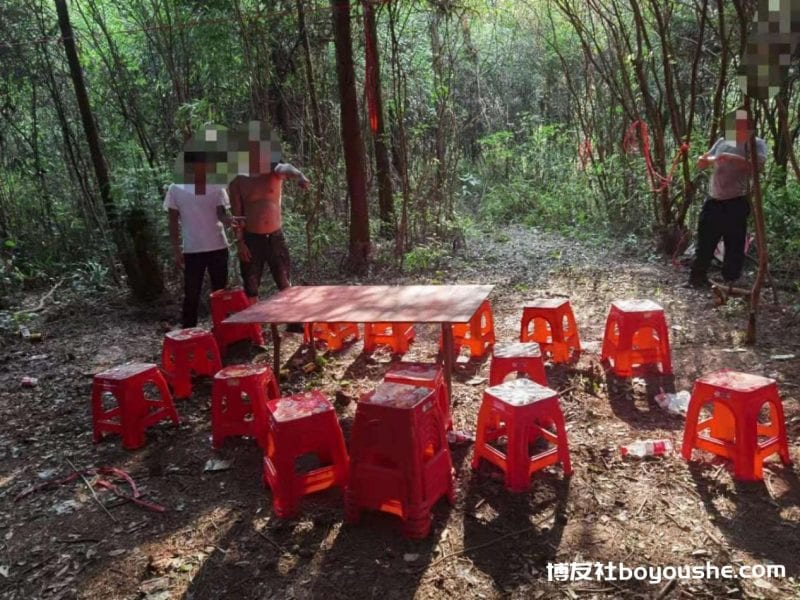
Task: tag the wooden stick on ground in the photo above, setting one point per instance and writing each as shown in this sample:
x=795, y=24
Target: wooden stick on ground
x=40, y=306
x=91, y=489
x=489, y=543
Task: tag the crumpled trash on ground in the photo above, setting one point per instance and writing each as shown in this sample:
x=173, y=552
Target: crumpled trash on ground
x=676, y=403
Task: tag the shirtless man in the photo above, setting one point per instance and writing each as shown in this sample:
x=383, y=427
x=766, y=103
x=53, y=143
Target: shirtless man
x=257, y=198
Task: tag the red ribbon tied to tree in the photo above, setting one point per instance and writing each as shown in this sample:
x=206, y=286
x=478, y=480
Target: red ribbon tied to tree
x=630, y=143
x=371, y=70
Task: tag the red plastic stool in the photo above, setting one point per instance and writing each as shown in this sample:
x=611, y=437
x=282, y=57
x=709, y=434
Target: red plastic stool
x=399, y=459
x=334, y=335
x=396, y=335
x=225, y=303
x=515, y=410
x=427, y=375
x=238, y=402
x=519, y=357
x=477, y=335
x=186, y=352
x=135, y=412
x=733, y=429
x=299, y=425
x=636, y=335
x=550, y=323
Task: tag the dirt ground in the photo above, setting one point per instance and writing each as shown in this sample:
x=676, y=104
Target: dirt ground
x=218, y=537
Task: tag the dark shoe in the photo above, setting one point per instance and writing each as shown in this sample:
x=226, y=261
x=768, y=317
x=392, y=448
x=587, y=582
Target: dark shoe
x=295, y=328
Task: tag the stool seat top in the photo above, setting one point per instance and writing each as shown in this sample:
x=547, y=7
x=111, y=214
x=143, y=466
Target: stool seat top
x=244, y=370
x=735, y=381
x=521, y=392
x=397, y=395
x=299, y=406
x=549, y=303
x=122, y=372
x=189, y=333
x=418, y=371
x=517, y=350
x=634, y=306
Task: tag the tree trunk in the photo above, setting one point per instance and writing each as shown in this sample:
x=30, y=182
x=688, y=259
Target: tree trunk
x=378, y=127
x=145, y=280
x=352, y=142
x=315, y=144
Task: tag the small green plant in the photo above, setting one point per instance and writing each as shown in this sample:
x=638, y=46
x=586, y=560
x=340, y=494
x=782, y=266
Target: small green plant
x=91, y=276
x=424, y=258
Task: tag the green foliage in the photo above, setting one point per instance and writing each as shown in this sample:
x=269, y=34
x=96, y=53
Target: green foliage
x=494, y=108
x=91, y=276
x=782, y=216
x=424, y=258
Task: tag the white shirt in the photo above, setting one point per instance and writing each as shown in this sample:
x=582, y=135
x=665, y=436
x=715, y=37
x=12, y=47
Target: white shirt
x=201, y=229
x=731, y=179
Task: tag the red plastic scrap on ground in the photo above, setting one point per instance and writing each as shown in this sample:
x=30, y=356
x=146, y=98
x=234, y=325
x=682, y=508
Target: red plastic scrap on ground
x=134, y=496
x=630, y=143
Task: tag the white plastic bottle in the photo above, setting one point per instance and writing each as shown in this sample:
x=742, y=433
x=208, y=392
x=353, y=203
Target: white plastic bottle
x=647, y=448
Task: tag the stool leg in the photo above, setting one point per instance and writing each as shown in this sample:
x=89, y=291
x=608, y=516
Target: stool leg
x=666, y=355
x=524, y=335
x=166, y=397
x=444, y=404
x=283, y=502
x=182, y=376
x=97, y=412
x=517, y=457
x=563, y=444
x=480, y=434
x=496, y=373
x=131, y=416
x=217, y=435
x=215, y=362
x=273, y=391
x=745, y=462
x=690, y=427
x=783, y=444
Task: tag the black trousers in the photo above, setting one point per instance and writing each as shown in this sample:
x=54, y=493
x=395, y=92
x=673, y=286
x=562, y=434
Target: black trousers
x=194, y=270
x=269, y=248
x=726, y=219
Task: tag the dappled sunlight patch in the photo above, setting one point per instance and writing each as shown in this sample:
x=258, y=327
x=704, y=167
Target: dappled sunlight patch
x=165, y=563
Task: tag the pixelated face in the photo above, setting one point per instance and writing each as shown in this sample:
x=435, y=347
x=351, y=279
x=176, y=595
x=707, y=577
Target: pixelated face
x=737, y=126
x=768, y=52
x=204, y=158
x=253, y=149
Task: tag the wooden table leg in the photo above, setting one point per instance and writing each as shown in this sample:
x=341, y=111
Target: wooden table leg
x=447, y=350
x=276, y=350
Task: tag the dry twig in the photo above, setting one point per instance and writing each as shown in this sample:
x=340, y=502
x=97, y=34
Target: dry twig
x=40, y=306
x=487, y=544
x=91, y=489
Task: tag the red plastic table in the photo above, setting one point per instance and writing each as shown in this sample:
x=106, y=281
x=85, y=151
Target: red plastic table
x=444, y=304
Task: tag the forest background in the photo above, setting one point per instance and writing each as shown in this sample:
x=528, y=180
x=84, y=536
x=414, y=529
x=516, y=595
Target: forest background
x=420, y=123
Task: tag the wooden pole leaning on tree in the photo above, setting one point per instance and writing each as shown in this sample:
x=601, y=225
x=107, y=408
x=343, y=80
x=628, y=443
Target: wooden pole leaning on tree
x=761, y=242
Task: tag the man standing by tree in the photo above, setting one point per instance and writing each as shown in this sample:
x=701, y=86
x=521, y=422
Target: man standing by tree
x=257, y=197
x=725, y=211
x=197, y=212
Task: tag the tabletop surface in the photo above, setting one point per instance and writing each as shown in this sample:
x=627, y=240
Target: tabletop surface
x=368, y=304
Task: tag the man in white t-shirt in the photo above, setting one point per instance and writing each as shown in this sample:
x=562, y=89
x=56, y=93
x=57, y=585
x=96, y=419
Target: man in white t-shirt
x=725, y=211
x=198, y=213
